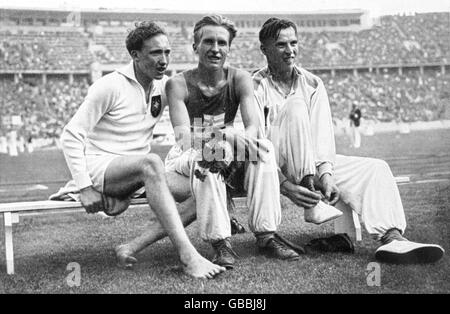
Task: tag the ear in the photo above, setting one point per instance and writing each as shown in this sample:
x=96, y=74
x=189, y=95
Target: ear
x=194, y=46
x=134, y=54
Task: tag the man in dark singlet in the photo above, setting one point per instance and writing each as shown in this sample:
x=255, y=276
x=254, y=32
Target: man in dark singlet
x=209, y=97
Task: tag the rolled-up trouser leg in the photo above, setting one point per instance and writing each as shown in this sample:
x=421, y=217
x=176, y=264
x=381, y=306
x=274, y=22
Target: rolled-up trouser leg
x=210, y=195
x=211, y=204
x=291, y=137
x=368, y=187
x=263, y=194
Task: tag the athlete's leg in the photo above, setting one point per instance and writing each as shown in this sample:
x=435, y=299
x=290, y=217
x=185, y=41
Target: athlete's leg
x=368, y=186
x=294, y=151
x=263, y=194
x=180, y=189
x=126, y=174
x=290, y=135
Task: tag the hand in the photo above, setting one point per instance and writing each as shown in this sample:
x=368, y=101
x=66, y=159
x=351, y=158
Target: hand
x=91, y=199
x=115, y=206
x=329, y=189
x=299, y=195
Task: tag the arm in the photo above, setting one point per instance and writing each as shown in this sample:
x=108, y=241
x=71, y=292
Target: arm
x=322, y=131
x=323, y=141
x=176, y=93
x=73, y=138
x=249, y=111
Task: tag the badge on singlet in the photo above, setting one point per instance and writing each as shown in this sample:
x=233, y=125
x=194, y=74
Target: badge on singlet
x=156, y=106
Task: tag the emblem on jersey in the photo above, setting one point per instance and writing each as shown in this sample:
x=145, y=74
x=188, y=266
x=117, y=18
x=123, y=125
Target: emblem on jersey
x=217, y=121
x=156, y=106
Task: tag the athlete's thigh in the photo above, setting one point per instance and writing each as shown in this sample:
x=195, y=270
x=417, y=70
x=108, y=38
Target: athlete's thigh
x=179, y=185
x=123, y=176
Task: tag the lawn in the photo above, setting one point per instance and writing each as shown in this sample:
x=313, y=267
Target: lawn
x=45, y=245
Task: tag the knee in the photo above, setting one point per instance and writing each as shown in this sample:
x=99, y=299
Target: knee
x=153, y=167
x=380, y=165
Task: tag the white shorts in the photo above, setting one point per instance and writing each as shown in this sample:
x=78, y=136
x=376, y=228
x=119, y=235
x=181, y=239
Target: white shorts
x=97, y=165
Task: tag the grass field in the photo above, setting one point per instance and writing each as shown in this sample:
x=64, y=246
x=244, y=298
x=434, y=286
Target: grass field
x=45, y=245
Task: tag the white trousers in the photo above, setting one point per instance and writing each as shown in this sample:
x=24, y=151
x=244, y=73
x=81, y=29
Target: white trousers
x=356, y=137
x=366, y=184
x=263, y=195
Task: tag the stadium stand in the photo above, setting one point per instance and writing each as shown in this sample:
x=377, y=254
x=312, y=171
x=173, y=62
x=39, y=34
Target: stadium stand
x=395, y=70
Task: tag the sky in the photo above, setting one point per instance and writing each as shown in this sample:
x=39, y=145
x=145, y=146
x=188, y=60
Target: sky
x=375, y=7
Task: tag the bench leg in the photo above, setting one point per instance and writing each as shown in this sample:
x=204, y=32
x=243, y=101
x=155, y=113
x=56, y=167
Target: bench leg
x=7, y=218
x=348, y=223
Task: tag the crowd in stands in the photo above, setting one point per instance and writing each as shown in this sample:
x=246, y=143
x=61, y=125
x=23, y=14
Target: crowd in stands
x=44, y=50
x=389, y=97
x=386, y=96
x=44, y=108
x=398, y=39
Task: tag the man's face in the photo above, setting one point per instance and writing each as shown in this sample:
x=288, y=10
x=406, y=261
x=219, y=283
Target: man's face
x=213, y=46
x=153, y=59
x=281, y=53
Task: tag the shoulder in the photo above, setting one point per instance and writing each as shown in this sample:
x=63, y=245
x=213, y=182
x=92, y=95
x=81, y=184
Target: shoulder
x=110, y=83
x=258, y=77
x=176, y=85
x=239, y=74
x=312, y=80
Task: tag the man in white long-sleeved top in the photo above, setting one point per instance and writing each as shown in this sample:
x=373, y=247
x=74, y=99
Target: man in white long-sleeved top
x=107, y=146
x=294, y=106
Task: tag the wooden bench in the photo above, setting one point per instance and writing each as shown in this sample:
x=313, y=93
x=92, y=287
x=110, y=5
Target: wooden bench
x=13, y=211
x=348, y=223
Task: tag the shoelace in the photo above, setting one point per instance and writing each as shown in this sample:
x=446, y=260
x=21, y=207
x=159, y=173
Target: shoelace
x=279, y=245
x=224, y=249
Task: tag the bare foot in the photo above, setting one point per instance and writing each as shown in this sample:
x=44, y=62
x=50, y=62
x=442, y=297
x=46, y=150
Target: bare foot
x=124, y=256
x=199, y=267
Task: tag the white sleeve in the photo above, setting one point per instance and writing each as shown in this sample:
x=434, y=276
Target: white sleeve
x=322, y=130
x=261, y=101
x=99, y=99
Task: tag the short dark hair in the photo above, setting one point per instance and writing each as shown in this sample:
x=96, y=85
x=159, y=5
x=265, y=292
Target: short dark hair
x=142, y=32
x=215, y=20
x=272, y=27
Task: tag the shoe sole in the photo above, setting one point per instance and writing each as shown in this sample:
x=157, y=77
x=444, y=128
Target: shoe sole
x=420, y=255
x=269, y=255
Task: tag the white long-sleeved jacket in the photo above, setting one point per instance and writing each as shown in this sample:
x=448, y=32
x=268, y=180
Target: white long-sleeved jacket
x=311, y=88
x=113, y=119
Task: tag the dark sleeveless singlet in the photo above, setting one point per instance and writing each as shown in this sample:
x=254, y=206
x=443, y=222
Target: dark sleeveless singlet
x=199, y=105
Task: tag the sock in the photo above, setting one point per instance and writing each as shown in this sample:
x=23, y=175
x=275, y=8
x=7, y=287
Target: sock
x=391, y=235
